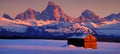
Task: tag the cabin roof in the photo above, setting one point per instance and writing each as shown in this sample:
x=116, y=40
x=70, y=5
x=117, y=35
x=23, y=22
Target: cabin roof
x=79, y=36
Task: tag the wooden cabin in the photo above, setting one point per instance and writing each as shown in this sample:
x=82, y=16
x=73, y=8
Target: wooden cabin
x=84, y=40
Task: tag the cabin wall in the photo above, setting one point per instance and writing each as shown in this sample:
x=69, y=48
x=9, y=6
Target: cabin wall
x=76, y=41
x=87, y=42
x=90, y=42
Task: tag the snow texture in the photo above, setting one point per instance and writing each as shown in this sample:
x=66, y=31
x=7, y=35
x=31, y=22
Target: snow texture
x=68, y=28
x=54, y=47
x=106, y=29
x=8, y=25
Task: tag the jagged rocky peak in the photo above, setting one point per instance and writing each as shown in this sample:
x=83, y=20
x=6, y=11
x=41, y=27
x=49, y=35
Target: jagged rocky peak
x=54, y=12
x=32, y=15
x=30, y=9
x=28, y=14
x=89, y=16
x=88, y=13
x=52, y=3
x=7, y=16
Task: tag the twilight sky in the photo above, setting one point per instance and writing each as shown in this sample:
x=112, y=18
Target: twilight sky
x=71, y=7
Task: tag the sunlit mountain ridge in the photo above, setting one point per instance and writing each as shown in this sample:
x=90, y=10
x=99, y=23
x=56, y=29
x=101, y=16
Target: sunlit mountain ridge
x=54, y=22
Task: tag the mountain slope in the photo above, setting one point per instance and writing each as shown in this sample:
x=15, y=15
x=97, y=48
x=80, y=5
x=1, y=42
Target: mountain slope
x=113, y=17
x=53, y=22
x=109, y=29
x=10, y=26
x=67, y=27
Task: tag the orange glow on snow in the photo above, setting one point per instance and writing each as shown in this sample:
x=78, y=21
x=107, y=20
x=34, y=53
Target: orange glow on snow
x=32, y=13
x=57, y=15
x=95, y=25
x=110, y=22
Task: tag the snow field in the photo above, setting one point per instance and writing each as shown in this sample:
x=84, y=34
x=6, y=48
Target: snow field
x=54, y=47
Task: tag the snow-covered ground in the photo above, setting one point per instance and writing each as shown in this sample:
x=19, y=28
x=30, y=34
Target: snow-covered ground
x=30, y=46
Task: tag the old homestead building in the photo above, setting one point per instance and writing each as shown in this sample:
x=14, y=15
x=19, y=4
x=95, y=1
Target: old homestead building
x=84, y=40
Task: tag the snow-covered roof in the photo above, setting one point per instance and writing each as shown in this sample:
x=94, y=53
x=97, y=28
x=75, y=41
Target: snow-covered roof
x=79, y=36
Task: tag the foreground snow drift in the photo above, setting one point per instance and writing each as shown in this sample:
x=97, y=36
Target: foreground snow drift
x=53, y=47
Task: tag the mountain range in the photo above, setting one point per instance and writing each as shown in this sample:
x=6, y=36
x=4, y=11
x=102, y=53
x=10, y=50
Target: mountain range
x=54, y=23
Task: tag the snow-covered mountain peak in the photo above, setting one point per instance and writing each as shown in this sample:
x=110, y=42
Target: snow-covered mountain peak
x=30, y=11
x=28, y=14
x=89, y=16
x=54, y=12
x=52, y=5
x=87, y=12
x=54, y=20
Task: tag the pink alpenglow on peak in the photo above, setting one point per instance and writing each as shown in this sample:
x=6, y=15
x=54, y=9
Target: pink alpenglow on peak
x=52, y=3
x=54, y=12
x=31, y=13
